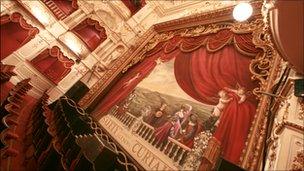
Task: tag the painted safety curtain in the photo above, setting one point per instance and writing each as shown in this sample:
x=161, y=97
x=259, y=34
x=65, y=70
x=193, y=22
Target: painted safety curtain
x=204, y=65
x=15, y=32
x=128, y=82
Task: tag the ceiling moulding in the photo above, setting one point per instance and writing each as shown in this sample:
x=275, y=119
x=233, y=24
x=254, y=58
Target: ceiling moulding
x=166, y=8
x=215, y=16
x=120, y=9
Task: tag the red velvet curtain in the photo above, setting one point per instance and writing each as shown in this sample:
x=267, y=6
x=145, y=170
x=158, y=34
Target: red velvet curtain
x=53, y=64
x=179, y=46
x=15, y=32
x=91, y=33
x=202, y=75
x=204, y=65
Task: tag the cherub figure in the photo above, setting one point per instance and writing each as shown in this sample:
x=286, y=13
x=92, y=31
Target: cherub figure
x=224, y=99
x=241, y=92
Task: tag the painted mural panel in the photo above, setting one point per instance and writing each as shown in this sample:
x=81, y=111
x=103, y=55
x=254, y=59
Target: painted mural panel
x=160, y=102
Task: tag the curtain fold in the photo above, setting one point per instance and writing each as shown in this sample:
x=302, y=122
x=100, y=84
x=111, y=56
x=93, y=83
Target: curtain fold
x=206, y=73
x=202, y=75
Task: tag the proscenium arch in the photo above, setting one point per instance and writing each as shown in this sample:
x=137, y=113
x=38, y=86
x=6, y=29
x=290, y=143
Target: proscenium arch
x=263, y=67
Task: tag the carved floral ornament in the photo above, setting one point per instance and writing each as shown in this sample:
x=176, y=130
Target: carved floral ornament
x=298, y=161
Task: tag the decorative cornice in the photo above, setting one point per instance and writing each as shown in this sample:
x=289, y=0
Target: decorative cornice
x=265, y=68
x=288, y=124
x=203, y=18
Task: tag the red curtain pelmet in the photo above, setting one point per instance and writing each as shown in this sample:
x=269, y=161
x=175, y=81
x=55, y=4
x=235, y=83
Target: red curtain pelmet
x=53, y=64
x=91, y=33
x=15, y=32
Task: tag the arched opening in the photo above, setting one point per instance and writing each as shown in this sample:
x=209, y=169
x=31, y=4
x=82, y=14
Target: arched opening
x=15, y=32
x=91, y=33
x=53, y=64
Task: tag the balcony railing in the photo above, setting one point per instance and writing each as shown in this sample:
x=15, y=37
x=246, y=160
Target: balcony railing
x=171, y=149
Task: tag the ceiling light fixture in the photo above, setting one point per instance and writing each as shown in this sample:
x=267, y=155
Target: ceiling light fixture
x=242, y=11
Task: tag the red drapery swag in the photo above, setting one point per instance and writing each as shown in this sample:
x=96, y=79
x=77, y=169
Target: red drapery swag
x=204, y=65
x=53, y=64
x=91, y=33
x=134, y=5
x=15, y=32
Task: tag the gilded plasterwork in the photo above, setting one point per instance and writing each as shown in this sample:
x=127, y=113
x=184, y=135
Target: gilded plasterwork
x=264, y=69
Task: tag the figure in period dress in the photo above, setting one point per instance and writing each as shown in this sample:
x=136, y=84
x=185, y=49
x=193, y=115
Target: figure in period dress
x=193, y=127
x=158, y=118
x=163, y=132
x=182, y=115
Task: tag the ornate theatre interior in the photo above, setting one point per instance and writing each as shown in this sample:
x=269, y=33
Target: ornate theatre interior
x=130, y=85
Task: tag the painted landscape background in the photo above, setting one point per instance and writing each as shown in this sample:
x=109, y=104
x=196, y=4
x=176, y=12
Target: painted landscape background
x=145, y=97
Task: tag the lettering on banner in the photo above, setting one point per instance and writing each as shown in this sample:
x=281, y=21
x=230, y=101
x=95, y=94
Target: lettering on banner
x=141, y=153
x=148, y=158
x=115, y=130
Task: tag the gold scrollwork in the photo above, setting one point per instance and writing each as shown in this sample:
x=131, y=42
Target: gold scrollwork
x=262, y=63
x=265, y=68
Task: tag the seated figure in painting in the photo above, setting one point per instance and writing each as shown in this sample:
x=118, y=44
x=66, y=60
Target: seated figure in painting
x=158, y=118
x=223, y=101
x=163, y=132
x=193, y=128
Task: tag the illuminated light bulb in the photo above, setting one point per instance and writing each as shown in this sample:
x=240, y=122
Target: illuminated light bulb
x=40, y=15
x=242, y=11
